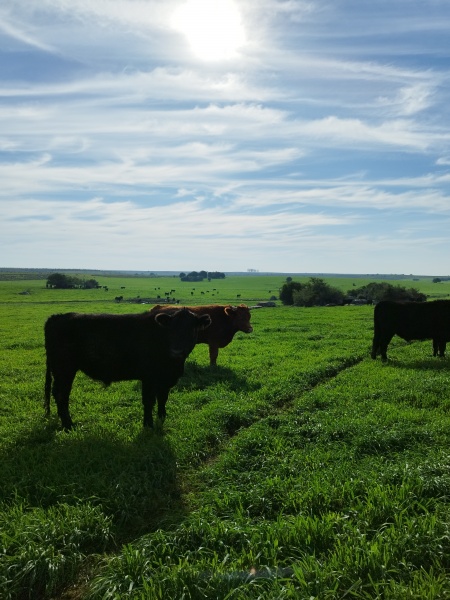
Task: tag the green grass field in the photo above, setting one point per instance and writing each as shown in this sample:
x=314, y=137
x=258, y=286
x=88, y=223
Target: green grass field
x=298, y=468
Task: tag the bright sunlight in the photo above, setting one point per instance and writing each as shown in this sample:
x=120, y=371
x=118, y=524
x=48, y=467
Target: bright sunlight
x=213, y=28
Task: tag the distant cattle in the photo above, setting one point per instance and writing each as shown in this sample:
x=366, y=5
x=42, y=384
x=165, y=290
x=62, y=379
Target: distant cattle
x=150, y=347
x=118, y=298
x=226, y=321
x=411, y=321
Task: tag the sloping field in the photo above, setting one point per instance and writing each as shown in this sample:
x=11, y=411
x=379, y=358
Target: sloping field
x=298, y=468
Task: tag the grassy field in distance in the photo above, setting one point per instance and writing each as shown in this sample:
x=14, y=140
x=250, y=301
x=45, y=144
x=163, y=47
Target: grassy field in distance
x=233, y=289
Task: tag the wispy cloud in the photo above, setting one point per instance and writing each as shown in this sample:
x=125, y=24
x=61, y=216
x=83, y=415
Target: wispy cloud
x=25, y=34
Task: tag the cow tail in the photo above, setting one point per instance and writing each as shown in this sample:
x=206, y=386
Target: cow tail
x=48, y=389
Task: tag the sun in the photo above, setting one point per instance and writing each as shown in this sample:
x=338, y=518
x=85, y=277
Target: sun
x=213, y=28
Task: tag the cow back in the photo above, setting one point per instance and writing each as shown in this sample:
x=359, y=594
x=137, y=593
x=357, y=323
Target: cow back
x=105, y=347
x=121, y=347
x=413, y=320
x=226, y=321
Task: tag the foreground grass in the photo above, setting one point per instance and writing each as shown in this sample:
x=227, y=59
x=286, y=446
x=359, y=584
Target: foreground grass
x=343, y=494
x=298, y=468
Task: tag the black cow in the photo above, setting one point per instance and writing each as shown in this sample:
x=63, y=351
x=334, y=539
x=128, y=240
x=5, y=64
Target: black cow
x=148, y=347
x=411, y=321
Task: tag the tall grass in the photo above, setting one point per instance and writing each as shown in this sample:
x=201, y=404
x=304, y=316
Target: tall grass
x=298, y=468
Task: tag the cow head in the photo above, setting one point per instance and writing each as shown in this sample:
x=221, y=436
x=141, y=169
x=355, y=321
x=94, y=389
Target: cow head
x=182, y=328
x=240, y=316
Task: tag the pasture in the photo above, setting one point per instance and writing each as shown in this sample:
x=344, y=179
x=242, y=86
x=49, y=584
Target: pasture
x=297, y=468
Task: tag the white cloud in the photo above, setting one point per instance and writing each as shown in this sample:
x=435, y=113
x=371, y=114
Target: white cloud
x=23, y=34
x=410, y=100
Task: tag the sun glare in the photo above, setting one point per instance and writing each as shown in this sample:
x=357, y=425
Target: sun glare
x=213, y=28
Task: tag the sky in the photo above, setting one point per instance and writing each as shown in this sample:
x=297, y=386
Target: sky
x=283, y=136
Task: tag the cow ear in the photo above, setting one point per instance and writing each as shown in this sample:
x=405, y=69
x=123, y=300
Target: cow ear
x=204, y=321
x=163, y=319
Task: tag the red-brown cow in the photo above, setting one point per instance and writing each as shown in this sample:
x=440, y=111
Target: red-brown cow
x=226, y=321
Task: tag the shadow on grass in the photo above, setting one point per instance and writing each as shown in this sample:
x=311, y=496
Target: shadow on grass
x=133, y=481
x=199, y=377
x=431, y=364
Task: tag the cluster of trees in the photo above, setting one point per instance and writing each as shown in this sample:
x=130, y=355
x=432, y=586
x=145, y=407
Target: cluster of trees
x=316, y=292
x=375, y=292
x=66, y=282
x=201, y=275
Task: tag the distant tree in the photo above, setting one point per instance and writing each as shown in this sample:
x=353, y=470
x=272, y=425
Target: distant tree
x=192, y=276
x=58, y=281
x=437, y=280
x=200, y=276
x=65, y=282
x=317, y=293
x=91, y=284
x=376, y=292
x=287, y=291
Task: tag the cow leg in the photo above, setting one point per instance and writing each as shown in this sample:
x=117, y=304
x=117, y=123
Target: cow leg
x=374, y=352
x=439, y=347
x=61, y=392
x=148, y=402
x=380, y=345
x=163, y=395
x=383, y=349
x=213, y=354
x=436, y=347
x=375, y=346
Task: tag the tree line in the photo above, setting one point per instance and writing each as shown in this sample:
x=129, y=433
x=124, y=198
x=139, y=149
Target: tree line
x=316, y=292
x=201, y=275
x=66, y=282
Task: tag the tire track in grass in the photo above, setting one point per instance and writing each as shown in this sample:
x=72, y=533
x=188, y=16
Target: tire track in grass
x=277, y=400
x=313, y=379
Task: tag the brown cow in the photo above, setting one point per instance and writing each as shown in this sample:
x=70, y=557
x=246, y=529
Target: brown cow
x=226, y=321
x=148, y=347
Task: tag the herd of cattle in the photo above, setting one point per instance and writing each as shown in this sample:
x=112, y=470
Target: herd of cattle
x=152, y=347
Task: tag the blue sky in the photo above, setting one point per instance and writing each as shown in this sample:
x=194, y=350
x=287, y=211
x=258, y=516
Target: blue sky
x=279, y=135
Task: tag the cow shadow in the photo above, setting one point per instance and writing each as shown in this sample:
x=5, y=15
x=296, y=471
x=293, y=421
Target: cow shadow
x=200, y=377
x=429, y=363
x=134, y=480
